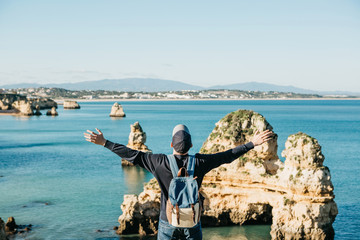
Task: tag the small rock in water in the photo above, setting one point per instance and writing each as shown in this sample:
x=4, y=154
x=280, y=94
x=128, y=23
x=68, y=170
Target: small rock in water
x=10, y=226
x=37, y=112
x=117, y=111
x=71, y=105
x=52, y=112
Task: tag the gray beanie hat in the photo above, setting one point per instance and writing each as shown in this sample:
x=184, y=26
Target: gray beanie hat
x=181, y=139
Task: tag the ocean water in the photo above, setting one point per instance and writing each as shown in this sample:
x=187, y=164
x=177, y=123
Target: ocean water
x=68, y=188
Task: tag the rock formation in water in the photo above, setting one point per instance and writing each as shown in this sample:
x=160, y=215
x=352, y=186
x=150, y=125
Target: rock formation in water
x=52, y=112
x=24, y=107
x=7, y=100
x=11, y=226
x=43, y=103
x=37, y=111
x=141, y=213
x=137, y=139
x=8, y=230
x=68, y=104
x=117, y=111
x=296, y=196
x=5, y=105
x=2, y=230
x=18, y=104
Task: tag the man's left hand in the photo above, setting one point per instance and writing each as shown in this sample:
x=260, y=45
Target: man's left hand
x=97, y=138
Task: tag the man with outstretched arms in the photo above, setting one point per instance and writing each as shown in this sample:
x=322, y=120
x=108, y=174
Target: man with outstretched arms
x=159, y=166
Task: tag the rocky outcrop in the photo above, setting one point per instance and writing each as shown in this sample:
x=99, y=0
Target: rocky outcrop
x=7, y=100
x=117, y=111
x=296, y=196
x=2, y=230
x=43, y=103
x=18, y=104
x=141, y=213
x=52, y=112
x=37, y=111
x=8, y=230
x=71, y=105
x=4, y=105
x=24, y=107
x=11, y=226
x=137, y=139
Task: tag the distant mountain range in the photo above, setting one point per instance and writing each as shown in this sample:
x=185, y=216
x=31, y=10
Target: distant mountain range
x=266, y=87
x=126, y=85
x=157, y=85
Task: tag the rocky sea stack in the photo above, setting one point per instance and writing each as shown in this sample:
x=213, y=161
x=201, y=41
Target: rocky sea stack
x=117, y=111
x=10, y=228
x=295, y=196
x=71, y=105
x=2, y=230
x=52, y=112
x=137, y=139
x=37, y=111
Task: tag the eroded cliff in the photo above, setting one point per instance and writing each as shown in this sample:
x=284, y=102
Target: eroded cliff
x=18, y=104
x=295, y=196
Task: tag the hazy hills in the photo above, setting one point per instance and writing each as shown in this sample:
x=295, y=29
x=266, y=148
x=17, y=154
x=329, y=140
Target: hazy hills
x=157, y=85
x=126, y=85
x=265, y=87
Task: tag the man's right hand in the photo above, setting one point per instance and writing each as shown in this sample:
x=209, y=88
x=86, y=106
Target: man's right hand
x=97, y=138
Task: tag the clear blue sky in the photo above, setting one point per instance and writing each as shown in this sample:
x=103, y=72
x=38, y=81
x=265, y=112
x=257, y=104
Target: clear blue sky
x=309, y=44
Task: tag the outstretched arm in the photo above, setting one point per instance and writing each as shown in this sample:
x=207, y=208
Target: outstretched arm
x=145, y=160
x=97, y=138
x=211, y=161
x=260, y=138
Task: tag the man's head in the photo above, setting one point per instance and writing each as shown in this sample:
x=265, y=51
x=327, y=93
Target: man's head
x=181, y=139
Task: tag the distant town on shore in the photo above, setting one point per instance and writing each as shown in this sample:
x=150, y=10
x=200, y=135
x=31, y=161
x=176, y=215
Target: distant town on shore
x=61, y=93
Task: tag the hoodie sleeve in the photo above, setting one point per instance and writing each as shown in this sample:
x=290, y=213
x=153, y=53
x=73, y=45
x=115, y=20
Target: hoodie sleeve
x=211, y=161
x=148, y=161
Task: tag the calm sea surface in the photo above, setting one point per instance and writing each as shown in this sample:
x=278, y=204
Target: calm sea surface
x=69, y=188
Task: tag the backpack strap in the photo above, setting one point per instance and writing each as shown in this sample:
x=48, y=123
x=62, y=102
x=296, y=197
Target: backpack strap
x=191, y=166
x=173, y=165
x=175, y=169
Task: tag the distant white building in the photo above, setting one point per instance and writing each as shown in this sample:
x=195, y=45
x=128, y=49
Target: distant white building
x=124, y=95
x=177, y=96
x=89, y=97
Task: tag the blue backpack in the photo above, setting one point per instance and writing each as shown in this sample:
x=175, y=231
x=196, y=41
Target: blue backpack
x=183, y=208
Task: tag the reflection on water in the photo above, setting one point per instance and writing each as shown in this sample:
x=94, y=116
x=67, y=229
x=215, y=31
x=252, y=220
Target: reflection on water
x=246, y=232
x=116, y=118
x=134, y=178
x=22, y=117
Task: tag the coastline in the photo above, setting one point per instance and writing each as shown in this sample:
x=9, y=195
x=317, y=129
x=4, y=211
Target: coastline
x=60, y=101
